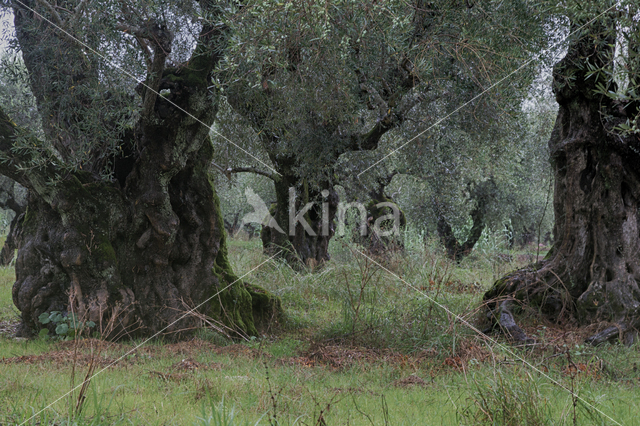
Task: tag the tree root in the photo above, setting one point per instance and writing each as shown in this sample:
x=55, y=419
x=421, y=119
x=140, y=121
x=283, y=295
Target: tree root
x=622, y=330
x=503, y=317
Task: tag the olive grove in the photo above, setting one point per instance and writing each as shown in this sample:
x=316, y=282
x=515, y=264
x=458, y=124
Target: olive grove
x=327, y=88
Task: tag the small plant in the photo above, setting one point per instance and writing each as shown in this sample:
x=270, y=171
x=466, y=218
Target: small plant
x=66, y=326
x=218, y=415
x=514, y=400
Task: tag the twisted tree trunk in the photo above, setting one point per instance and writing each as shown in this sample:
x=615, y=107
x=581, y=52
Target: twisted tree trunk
x=592, y=271
x=132, y=254
x=305, y=239
x=482, y=194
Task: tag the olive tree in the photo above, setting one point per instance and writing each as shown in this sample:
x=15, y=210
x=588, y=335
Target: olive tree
x=123, y=226
x=317, y=81
x=591, y=274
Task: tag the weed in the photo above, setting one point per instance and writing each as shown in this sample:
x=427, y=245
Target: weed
x=507, y=400
x=65, y=326
x=218, y=415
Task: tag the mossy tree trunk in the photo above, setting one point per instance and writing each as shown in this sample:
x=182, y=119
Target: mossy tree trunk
x=305, y=240
x=132, y=254
x=592, y=271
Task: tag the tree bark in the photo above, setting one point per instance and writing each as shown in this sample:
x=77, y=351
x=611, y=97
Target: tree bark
x=592, y=271
x=305, y=241
x=377, y=213
x=132, y=254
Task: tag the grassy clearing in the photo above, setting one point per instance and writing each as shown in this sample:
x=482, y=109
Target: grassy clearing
x=358, y=346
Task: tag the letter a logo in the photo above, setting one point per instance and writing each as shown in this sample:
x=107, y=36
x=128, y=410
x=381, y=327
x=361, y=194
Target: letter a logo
x=261, y=213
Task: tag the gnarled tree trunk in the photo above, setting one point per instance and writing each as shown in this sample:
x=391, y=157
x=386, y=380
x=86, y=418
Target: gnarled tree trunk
x=592, y=271
x=132, y=254
x=305, y=239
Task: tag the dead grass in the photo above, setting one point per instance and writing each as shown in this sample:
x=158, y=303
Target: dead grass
x=410, y=381
x=344, y=356
x=65, y=359
x=8, y=328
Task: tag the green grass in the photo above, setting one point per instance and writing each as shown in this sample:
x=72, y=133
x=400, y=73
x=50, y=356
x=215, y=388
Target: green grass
x=8, y=312
x=358, y=347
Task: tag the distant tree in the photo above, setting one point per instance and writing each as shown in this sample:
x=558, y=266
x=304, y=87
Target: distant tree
x=592, y=272
x=383, y=217
x=13, y=197
x=472, y=172
x=20, y=104
x=482, y=195
x=321, y=82
x=123, y=226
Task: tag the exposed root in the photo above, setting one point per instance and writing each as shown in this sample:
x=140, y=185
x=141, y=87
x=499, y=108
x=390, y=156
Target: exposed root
x=503, y=317
x=624, y=331
x=607, y=334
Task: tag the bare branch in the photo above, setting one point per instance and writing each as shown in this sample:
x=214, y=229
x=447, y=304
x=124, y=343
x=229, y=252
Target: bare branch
x=229, y=171
x=221, y=170
x=271, y=176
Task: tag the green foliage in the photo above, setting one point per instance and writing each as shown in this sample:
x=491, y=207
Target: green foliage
x=614, y=72
x=309, y=78
x=16, y=97
x=65, y=326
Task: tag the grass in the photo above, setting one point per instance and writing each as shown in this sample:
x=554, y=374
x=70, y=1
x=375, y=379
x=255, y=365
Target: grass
x=8, y=311
x=358, y=347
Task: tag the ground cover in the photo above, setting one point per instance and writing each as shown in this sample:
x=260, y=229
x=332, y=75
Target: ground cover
x=365, y=341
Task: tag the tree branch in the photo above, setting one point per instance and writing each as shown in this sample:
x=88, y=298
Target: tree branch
x=78, y=12
x=392, y=118
x=229, y=171
x=54, y=14
x=160, y=38
x=271, y=176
